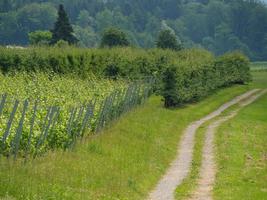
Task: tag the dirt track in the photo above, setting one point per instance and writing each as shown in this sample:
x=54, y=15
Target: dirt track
x=180, y=167
x=208, y=167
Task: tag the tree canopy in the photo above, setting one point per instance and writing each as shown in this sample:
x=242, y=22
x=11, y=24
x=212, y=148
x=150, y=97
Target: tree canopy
x=114, y=37
x=40, y=37
x=168, y=40
x=217, y=25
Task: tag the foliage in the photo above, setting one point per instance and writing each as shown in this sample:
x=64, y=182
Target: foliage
x=112, y=71
x=16, y=24
x=219, y=26
x=86, y=36
x=169, y=89
x=167, y=40
x=54, y=97
x=40, y=37
x=53, y=89
x=234, y=67
x=62, y=28
x=62, y=44
x=196, y=78
x=113, y=37
x=127, y=61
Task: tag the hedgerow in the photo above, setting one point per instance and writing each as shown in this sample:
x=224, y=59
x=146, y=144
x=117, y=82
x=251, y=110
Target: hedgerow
x=127, y=61
x=194, y=78
x=197, y=71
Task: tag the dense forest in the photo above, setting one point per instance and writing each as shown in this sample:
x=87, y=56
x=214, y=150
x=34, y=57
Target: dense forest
x=217, y=25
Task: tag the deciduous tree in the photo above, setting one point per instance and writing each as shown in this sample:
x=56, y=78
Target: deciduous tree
x=114, y=37
x=167, y=40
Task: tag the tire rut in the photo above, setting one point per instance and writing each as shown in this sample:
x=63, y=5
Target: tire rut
x=180, y=167
x=208, y=166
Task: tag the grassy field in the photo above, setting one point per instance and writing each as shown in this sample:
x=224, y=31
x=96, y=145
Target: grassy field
x=242, y=155
x=256, y=66
x=124, y=162
x=260, y=79
x=189, y=184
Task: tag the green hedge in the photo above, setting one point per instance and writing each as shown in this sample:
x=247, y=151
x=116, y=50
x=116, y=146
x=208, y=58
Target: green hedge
x=190, y=80
x=234, y=67
x=125, y=61
x=197, y=71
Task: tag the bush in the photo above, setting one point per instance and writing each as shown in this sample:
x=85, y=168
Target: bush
x=62, y=44
x=234, y=67
x=189, y=81
x=113, y=37
x=40, y=38
x=168, y=40
x=169, y=87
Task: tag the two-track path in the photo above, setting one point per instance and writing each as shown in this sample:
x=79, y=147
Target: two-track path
x=180, y=167
x=208, y=166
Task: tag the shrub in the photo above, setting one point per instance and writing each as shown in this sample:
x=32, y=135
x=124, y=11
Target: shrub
x=189, y=81
x=114, y=37
x=40, y=37
x=169, y=88
x=168, y=40
x=234, y=67
x=112, y=71
x=62, y=44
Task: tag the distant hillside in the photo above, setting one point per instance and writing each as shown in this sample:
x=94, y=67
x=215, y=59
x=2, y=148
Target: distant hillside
x=217, y=25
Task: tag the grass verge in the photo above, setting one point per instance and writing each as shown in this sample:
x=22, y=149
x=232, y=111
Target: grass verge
x=124, y=162
x=257, y=66
x=242, y=155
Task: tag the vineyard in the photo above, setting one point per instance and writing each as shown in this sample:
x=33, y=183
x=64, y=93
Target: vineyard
x=40, y=112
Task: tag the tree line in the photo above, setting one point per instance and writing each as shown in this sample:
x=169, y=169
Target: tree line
x=217, y=25
x=62, y=35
